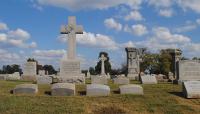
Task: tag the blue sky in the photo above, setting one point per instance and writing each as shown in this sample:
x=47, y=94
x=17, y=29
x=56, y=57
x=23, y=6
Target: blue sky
x=30, y=28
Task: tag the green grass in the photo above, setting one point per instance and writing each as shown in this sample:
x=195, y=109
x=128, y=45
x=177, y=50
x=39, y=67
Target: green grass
x=163, y=98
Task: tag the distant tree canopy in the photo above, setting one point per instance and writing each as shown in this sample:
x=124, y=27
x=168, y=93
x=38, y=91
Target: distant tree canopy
x=50, y=69
x=107, y=64
x=10, y=69
x=157, y=63
x=31, y=60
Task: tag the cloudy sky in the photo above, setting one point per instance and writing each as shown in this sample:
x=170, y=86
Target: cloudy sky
x=30, y=28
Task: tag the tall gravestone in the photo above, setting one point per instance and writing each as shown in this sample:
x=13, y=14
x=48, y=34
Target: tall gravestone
x=133, y=61
x=30, y=71
x=70, y=65
x=176, y=56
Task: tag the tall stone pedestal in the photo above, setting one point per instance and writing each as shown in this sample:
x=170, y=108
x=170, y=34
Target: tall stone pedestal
x=70, y=72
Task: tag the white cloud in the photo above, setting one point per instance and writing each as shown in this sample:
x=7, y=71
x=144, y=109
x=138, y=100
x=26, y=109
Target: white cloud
x=134, y=15
x=161, y=3
x=128, y=44
x=32, y=45
x=138, y=30
x=89, y=4
x=111, y=23
x=93, y=40
x=164, y=34
x=19, y=34
x=190, y=4
x=15, y=38
x=3, y=26
x=3, y=37
x=198, y=21
x=166, y=12
x=186, y=28
x=6, y=56
x=49, y=53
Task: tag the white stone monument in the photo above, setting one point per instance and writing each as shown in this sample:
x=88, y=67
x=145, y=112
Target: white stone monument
x=103, y=59
x=191, y=89
x=30, y=71
x=70, y=65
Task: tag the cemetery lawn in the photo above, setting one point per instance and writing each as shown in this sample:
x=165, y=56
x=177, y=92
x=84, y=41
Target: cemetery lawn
x=163, y=98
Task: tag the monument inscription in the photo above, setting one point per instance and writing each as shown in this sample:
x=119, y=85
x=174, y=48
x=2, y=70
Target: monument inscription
x=189, y=70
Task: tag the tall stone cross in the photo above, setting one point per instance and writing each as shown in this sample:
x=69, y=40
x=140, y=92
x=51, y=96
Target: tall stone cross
x=103, y=59
x=71, y=30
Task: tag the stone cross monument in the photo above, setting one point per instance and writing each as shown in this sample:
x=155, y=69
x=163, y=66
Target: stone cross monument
x=70, y=66
x=71, y=29
x=103, y=59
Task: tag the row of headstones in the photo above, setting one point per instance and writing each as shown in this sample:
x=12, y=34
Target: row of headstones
x=123, y=80
x=68, y=89
x=191, y=89
x=14, y=76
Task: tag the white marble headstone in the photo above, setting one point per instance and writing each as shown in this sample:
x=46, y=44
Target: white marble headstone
x=147, y=79
x=191, y=89
x=30, y=69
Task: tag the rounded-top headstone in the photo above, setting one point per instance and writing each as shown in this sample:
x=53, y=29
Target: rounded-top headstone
x=98, y=90
x=63, y=89
x=26, y=89
x=131, y=89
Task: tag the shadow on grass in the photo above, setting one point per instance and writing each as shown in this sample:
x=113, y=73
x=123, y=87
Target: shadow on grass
x=47, y=93
x=179, y=94
x=82, y=93
x=117, y=91
x=11, y=91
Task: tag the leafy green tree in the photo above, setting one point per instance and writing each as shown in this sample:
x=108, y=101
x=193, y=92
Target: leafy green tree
x=107, y=64
x=92, y=71
x=50, y=69
x=10, y=69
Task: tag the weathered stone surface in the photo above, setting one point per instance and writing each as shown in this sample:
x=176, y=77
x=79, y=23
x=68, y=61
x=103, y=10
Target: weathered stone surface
x=30, y=69
x=44, y=79
x=148, y=79
x=97, y=90
x=28, y=78
x=189, y=70
x=131, y=89
x=121, y=80
x=25, y=89
x=191, y=89
x=3, y=76
x=63, y=89
x=99, y=80
x=14, y=76
x=74, y=79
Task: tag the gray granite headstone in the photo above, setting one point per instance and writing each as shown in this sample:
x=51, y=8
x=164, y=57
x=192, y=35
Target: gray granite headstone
x=44, y=79
x=189, y=70
x=25, y=89
x=97, y=90
x=99, y=80
x=131, y=89
x=148, y=79
x=63, y=89
x=121, y=80
x=191, y=89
